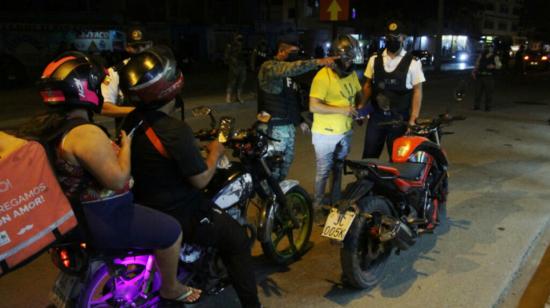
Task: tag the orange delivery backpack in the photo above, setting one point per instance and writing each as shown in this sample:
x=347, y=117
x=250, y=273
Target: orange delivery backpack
x=34, y=211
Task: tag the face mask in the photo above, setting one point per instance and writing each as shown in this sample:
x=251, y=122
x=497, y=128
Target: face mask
x=293, y=56
x=393, y=45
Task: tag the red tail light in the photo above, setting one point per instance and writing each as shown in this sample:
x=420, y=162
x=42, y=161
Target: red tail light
x=526, y=58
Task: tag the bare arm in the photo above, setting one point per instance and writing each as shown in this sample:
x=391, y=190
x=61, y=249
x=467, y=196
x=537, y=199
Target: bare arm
x=367, y=92
x=318, y=106
x=111, y=110
x=416, y=102
x=215, y=151
x=93, y=150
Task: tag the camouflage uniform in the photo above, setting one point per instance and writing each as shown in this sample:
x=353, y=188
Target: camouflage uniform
x=235, y=58
x=274, y=79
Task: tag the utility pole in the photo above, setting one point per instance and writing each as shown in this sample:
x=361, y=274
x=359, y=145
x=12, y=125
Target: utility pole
x=439, y=38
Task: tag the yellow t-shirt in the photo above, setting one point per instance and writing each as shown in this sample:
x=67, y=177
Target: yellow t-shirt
x=333, y=91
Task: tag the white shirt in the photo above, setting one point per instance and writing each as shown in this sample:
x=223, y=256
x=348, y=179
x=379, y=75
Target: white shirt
x=415, y=75
x=110, y=87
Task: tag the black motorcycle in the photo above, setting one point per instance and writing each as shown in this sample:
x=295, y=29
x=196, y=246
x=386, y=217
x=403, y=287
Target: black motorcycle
x=285, y=209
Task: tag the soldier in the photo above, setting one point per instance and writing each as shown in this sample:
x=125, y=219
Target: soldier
x=235, y=59
x=278, y=98
x=259, y=56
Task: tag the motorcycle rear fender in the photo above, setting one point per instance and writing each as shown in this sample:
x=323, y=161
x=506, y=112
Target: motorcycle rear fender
x=353, y=193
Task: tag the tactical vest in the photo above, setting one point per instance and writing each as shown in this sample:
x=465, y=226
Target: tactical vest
x=284, y=107
x=393, y=85
x=484, y=61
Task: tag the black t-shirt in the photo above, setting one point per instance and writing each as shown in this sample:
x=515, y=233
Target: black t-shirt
x=162, y=183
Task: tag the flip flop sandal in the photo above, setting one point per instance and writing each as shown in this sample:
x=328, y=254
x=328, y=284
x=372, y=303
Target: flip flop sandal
x=182, y=298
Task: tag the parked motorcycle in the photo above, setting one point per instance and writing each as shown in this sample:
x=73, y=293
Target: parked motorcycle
x=390, y=204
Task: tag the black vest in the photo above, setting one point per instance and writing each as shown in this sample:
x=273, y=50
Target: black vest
x=393, y=85
x=484, y=61
x=284, y=107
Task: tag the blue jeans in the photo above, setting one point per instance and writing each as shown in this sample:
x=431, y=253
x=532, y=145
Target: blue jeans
x=328, y=148
x=286, y=134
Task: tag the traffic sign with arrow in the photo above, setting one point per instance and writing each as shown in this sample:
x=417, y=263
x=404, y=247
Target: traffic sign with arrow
x=334, y=10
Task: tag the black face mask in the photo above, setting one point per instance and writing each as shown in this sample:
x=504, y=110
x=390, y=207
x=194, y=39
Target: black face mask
x=341, y=68
x=393, y=45
x=293, y=56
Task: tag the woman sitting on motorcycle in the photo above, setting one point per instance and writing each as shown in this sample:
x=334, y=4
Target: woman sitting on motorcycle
x=95, y=172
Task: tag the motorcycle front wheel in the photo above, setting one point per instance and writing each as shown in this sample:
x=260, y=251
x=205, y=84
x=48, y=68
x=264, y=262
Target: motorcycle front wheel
x=363, y=256
x=284, y=242
x=124, y=288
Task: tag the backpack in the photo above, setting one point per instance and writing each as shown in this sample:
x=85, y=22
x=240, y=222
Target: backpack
x=34, y=211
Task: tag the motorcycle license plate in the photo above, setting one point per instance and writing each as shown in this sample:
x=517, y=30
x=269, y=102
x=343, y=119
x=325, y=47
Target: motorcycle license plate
x=62, y=289
x=337, y=224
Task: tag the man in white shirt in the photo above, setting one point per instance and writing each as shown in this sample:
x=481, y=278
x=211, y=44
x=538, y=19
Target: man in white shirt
x=394, y=84
x=113, y=99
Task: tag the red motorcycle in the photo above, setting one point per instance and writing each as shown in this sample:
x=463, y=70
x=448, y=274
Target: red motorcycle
x=391, y=203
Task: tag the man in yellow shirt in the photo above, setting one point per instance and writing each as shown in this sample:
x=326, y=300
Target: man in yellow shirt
x=332, y=99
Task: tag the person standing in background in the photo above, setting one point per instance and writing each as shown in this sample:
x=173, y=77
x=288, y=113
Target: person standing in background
x=486, y=65
x=235, y=59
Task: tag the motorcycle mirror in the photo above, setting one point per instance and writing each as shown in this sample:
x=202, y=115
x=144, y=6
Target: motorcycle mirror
x=201, y=111
x=263, y=117
x=226, y=126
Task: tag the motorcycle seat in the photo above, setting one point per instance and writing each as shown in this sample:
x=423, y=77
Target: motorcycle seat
x=407, y=171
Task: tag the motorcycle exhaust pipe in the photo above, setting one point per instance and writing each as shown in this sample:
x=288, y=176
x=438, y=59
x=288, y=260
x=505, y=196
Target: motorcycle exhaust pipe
x=399, y=233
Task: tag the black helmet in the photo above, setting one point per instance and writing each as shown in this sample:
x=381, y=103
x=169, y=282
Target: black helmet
x=151, y=79
x=73, y=80
x=344, y=47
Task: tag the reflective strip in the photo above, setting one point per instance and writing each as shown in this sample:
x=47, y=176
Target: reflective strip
x=36, y=237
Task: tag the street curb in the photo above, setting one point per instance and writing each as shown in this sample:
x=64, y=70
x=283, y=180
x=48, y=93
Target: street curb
x=521, y=264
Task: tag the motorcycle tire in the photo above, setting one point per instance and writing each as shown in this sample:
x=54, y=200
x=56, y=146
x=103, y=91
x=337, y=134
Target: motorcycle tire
x=276, y=225
x=352, y=254
x=101, y=285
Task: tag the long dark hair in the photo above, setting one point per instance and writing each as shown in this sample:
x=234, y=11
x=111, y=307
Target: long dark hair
x=42, y=126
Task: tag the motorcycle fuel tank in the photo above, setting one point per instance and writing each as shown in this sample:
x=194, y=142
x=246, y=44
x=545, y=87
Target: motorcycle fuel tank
x=237, y=188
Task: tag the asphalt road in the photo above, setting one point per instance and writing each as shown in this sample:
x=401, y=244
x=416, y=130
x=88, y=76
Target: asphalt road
x=498, y=208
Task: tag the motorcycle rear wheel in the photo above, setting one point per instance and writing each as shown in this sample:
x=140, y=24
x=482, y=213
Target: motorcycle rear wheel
x=360, y=269
x=279, y=231
x=106, y=290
